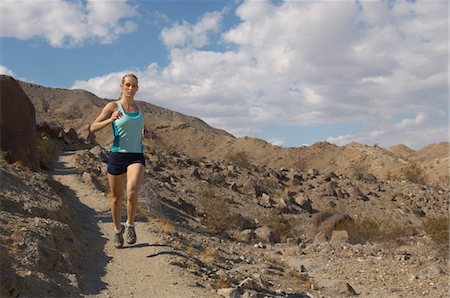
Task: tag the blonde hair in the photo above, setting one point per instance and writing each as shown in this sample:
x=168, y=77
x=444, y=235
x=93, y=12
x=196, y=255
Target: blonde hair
x=123, y=80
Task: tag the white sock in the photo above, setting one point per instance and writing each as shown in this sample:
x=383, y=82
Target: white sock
x=117, y=230
x=129, y=225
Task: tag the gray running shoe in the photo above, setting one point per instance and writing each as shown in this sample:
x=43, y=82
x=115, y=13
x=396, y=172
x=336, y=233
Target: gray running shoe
x=131, y=235
x=118, y=237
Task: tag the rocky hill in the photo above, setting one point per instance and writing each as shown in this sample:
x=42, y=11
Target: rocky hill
x=317, y=221
x=78, y=108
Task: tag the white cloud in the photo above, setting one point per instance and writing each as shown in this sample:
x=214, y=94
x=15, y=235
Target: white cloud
x=277, y=142
x=406, y=123
x=308, y=62
x=196, y=35
x=415, y=139
x=5, y=71
x=343, y=139
x=67, y=23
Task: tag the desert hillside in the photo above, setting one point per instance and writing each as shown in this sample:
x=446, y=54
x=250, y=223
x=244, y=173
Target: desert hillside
x=218, y=216
x=172, y=130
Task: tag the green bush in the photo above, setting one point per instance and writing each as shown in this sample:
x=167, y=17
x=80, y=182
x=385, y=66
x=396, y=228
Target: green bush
x=47, y=150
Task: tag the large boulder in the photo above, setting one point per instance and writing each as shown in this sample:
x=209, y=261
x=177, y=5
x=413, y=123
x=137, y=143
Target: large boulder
x=18, y=124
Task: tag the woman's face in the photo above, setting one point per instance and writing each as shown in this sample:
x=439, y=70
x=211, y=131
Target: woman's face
x=129, y=87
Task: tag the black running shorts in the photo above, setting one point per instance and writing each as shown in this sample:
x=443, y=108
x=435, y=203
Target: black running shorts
x=119, y=161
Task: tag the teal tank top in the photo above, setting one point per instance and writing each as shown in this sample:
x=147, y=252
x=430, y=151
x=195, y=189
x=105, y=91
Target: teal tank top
x=128, y=131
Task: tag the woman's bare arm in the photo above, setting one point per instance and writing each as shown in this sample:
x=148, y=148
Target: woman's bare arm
x=108, y=115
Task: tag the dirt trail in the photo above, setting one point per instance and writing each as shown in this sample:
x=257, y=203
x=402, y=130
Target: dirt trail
x=141, y=270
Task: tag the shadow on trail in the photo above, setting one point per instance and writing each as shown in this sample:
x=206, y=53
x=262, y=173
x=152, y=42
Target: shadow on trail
x=60, y=167
x=89, y=259
x=140, y=245
x=160, y=245
x=167, y=252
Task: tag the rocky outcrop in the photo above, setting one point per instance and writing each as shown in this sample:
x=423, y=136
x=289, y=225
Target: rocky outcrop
x=18, y=124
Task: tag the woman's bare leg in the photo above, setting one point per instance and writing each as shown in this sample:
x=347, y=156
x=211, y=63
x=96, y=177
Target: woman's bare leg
x=135, y=177
x=116, y=185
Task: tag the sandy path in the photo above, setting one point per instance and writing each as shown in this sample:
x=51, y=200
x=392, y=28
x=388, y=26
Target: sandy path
x=141, y=270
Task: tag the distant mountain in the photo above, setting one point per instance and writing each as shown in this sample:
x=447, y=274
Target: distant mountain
x=402, y=151
x=173, y=130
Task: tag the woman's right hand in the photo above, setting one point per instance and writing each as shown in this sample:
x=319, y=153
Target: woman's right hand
x=108, y=115
x=116, y=115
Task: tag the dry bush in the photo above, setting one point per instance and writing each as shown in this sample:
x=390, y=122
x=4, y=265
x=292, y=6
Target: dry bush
x=268, y=185
x=281, y=230
x=240, y=158
x=438, y=230
x=221, y=283
x=149, y=201
x=301, y=165
x=165, y=225
x=359, y=169
x=281, y=227
x=217, y=217
x=414, y=174
x=209, y=254
x=296, y=280
x=370, y=230
x=47, y=150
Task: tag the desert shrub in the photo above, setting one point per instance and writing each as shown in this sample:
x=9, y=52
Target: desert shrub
x=240, y=158
x=359, y=169
x=209, y=254
x=47, y=150
x=414, y=174
x=268, y=185
x=298, y=281
x=438, y=230
x=164, y=225
x=281, y=230
x=301, y=164
x=221, y=283
x=149, y=201
x=370, y=230
x=218, y=217
x=281, y=227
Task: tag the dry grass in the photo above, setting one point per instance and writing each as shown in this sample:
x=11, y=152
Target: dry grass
x=209, y=254
x=370, y=230
x=299, y=282
x=164, y=225
x=438, y=230
x=293, y=278
x=221, y=283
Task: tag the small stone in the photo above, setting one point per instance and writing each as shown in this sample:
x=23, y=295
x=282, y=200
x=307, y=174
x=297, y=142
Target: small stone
x=339, y=237
x=229, y=292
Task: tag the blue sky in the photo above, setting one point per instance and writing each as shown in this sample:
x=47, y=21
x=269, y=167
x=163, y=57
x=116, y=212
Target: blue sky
x=289, y=72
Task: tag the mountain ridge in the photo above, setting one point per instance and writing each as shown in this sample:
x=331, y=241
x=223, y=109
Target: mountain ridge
x=77, y=108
